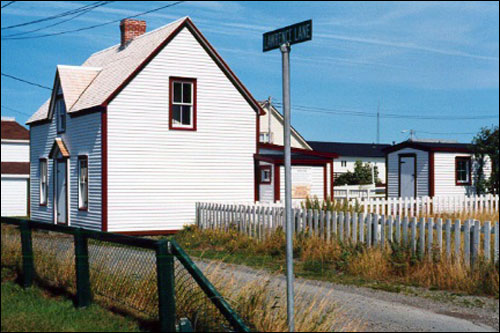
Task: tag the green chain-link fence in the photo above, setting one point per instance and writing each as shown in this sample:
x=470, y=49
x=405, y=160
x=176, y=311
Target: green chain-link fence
x=153, y=280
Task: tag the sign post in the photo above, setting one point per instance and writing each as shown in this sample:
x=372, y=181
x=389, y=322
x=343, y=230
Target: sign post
x=282, y=39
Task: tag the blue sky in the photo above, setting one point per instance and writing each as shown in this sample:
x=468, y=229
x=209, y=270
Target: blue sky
x=411, y=58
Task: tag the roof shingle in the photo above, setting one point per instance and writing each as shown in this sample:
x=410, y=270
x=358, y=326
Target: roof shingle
x=11, y=130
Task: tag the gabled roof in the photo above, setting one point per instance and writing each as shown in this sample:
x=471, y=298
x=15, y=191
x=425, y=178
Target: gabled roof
x=74, y=81
x=11, y=130
x=116, y=66
x=432, y=146
x=281, y=119
x=350, y=149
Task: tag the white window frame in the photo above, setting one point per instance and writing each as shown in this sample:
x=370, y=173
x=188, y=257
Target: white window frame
x=43, y=181
x=343, y=163
x=83, y=204
x=60, y=113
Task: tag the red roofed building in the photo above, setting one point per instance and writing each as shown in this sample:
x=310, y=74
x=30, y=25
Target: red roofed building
x=15, y=168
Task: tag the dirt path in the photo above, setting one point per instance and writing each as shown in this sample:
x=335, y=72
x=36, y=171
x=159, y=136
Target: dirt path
x=389, y=312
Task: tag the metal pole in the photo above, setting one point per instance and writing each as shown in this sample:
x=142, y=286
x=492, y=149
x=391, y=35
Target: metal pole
x=285, y=52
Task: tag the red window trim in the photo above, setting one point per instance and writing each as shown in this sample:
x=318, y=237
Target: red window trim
x=469, y=161
x=83, y=208
x=263, y=168
x=171, y=125
x=40, y=203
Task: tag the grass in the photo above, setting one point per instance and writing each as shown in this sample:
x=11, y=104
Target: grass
x=392, y=269
x=33, y=310
x=129, y=289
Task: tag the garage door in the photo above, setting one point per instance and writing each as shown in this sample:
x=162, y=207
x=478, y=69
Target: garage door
x=14, y=197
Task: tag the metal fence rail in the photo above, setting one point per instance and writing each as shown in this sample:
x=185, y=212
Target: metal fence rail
x=152, y=279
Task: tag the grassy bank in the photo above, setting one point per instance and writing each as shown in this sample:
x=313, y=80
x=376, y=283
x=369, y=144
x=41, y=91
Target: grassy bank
x=343, y=263
x=116, y=284
x=33, y=310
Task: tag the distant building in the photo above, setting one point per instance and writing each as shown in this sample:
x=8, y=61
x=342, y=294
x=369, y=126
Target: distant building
x=349, y=153
x=423, y=168
x=15, y=168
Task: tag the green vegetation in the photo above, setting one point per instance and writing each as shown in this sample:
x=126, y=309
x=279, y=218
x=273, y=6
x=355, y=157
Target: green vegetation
x=363, y=175
x=339, y=262
x=32, y=310
x=486, y=143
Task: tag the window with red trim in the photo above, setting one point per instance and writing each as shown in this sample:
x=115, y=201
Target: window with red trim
x=265, y=174
x=182, y=104
x=463, y=168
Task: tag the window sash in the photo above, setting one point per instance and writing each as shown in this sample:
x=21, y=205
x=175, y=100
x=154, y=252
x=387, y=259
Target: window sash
x=43, y=181
x=83, y=183
x=60, y=109
x=463, y=171
x=182, y=104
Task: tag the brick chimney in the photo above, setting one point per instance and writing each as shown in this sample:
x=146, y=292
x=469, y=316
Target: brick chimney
x=130, y=29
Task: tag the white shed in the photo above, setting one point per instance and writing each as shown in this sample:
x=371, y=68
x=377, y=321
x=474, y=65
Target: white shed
x=130, y=140
x=15, y=168
x=427, y=168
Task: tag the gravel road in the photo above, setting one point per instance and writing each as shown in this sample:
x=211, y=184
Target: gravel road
x=381, y=311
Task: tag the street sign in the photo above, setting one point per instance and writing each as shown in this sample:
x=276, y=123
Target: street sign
x=293, y=34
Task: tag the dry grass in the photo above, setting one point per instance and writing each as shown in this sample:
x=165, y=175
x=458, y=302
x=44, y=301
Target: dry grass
x=257, y=301
x=317, y=258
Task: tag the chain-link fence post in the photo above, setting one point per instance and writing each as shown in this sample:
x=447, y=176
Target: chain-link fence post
x=83, y=295
x=166, y=286
x=27, y=252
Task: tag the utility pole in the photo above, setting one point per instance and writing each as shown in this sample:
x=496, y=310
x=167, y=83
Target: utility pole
x=378, y=123
x=269, y=133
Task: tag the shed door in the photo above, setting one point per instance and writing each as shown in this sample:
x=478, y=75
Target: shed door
x=61, y=191
x=14, y=196
x=407, y=176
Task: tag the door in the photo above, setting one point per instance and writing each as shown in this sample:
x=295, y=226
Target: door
x=61, y=192
x=407, y=176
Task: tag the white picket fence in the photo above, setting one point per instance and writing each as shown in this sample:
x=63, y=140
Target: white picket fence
x=465, y=241
x=358, y=192
x=426, y=206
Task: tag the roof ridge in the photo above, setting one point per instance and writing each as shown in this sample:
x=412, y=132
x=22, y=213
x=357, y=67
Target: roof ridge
x=138, y=37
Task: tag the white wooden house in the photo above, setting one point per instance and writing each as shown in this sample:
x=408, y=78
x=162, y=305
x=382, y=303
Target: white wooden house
x=423, y=168
x=350, y=152
x=312, y=172
x=132, y=138
x=15, y=168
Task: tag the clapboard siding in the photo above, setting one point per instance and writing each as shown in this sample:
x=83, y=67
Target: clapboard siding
x=445, y=174
x=317, y=183
x=351, y=163
x=15, y=151
x=156, y=175
x=422, y=172
x=82, y=137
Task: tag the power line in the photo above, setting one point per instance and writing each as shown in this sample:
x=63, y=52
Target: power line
x=97, y=25
x=357, y=113
x=7, y=4
x=14, y=110
x=82, y=12
x=53, y=17
x=447, y=133
x=25, y=81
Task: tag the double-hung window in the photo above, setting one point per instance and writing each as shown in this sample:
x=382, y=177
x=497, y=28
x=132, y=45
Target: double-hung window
x=43, y=181
x=182, y=104
x=83, y=183
x=463, y=170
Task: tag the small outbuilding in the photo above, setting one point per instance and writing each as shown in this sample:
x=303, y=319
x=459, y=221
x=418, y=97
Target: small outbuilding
x=15, y=168
x=430, y=168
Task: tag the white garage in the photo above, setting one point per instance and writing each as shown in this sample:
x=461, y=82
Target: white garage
x=14, y=196
x=15, y=168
